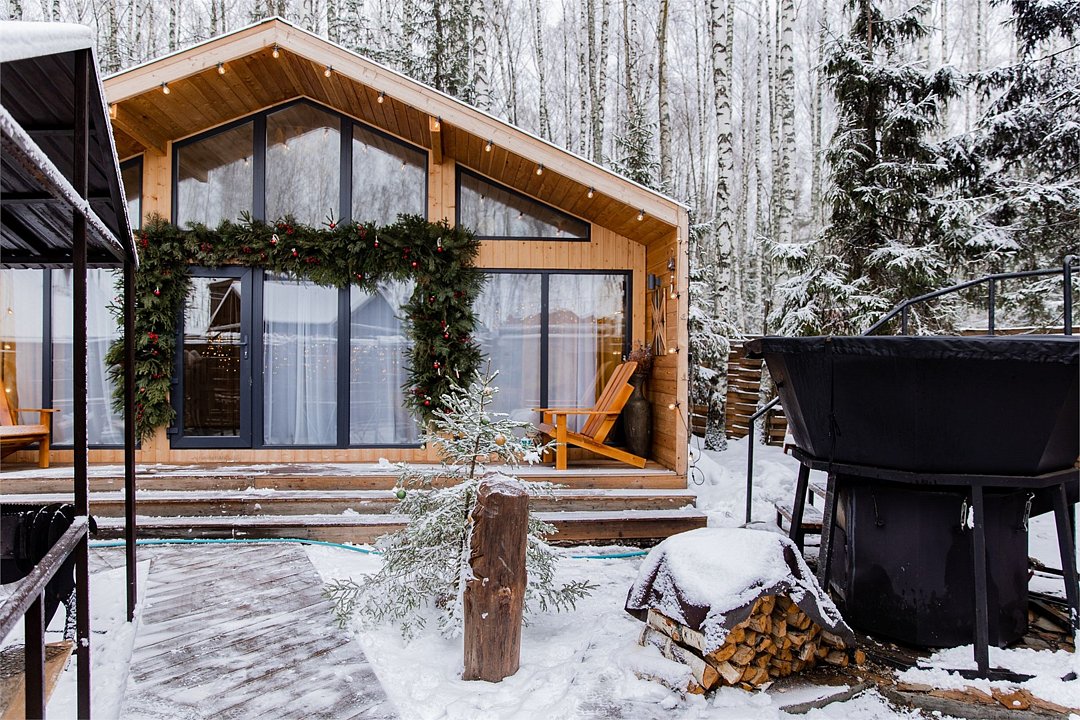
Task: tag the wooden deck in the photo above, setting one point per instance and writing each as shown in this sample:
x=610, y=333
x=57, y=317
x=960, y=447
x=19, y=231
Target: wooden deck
x=352, y=502
x=243, y=631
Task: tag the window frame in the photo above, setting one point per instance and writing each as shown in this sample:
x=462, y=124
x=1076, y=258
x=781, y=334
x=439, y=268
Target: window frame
x=258, y=157
x=545, y=309
x=462, y=170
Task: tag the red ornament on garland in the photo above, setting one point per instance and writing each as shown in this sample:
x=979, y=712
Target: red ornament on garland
x=415, y=264
x=157, y=292
x=436, y=365
x=427, y=403
x=294, y=253
x=446, y=336
x=274, y=239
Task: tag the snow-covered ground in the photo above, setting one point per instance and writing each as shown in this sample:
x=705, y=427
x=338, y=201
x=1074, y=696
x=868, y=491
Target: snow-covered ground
x=582, y=664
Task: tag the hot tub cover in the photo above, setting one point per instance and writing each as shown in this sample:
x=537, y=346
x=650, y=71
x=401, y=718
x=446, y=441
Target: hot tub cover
x=1005, y=405
x=709, y=579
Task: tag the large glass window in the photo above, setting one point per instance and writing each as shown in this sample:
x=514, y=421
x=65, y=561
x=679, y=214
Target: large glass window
x=389, y=178
x=300, y=328
x=215, y=177
x=493, y=211
x=586, y=336
x=508, y=313
x=103, y=425
x=378, y=367
x=131, y=176
x=36, y=350
x=21, y=328
x=303, y=168
x=555, y=338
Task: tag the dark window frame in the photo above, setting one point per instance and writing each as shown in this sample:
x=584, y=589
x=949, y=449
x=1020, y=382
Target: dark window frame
x=258, y=157
x=252, y=434
x=462, y=170
x=545, y=308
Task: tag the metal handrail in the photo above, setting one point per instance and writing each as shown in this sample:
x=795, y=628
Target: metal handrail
x=28, y=602
x=33, y=585
x=902, y=311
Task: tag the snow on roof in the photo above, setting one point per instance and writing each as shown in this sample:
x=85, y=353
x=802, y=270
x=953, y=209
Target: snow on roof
x=708, y=579
x=20, y=40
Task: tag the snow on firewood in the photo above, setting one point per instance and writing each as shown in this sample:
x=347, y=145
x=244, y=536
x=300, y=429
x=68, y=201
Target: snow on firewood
x=709, y=580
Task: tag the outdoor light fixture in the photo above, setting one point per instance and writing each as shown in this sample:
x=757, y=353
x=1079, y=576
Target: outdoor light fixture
x=591, y=193
x=221, y=68
x=328, y=71
x=540, y=169
x=488, y=145
x=165, y=88
x=382, y=97
x=276, y=52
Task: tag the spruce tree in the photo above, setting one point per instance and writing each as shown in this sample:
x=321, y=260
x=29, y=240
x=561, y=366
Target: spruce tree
x=888, y=237
x=426, y=564
x=1025, y=210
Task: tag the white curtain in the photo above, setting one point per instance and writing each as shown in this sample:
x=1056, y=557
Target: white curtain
x=378, y=367
x=586, y=331
x=299, y=363
x=103, y=425
x=508, y=330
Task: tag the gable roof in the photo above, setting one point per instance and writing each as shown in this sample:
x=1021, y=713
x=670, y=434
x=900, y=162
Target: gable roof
x=201, y=98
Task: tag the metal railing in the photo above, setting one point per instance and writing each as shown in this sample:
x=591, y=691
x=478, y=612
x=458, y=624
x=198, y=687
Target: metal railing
x=27, y=601
x=903, y=310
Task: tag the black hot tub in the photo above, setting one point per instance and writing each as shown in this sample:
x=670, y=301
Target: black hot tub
x=906, y=426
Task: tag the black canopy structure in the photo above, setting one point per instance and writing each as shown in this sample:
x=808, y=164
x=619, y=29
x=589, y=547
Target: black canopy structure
x=62, y=205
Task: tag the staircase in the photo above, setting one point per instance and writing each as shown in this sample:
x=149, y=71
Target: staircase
x=353, y=503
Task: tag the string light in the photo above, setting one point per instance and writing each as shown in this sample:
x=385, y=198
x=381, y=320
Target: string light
x=165, y=88
x=641, y=215
x=276, y=52
x=221, y=68
x=591, y=194
x=438, y=123
x=540, y=169
x=328, y=71
x=488, y=146
x=382, y=97
x=112, y=111
x=673, y=350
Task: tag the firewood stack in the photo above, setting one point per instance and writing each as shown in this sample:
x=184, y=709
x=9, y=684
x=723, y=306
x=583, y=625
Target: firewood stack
x=777, y=639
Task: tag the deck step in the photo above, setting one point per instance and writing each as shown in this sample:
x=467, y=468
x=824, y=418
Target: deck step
x=811, y=519
x=21, y=479
x=337, y=502
x=572, y=526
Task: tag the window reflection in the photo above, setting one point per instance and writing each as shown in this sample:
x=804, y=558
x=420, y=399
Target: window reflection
x=211, y=356
x=303, y=174
x=378, y=367
x=491, y=210
x=131, y=176
x=214, y=177
x=389, y=178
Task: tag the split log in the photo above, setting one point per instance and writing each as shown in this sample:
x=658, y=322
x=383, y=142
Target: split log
x=494, y=598
x=704, y=674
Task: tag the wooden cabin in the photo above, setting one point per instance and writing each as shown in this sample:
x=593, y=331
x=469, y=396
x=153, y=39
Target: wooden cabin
x=271, y=120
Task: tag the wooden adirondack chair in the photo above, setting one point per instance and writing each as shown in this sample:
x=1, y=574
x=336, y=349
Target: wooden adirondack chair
x=601, y=419
x=14, y=436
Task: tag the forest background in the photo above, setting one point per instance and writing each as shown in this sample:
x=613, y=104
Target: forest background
x=837, y=156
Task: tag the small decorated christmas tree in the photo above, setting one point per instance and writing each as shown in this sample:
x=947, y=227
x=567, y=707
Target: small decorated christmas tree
x=426, y=564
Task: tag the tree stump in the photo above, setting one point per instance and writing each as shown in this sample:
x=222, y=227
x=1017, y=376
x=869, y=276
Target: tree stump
x=495, y=598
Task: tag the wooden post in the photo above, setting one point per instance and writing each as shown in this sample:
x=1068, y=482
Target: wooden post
x=495, y=597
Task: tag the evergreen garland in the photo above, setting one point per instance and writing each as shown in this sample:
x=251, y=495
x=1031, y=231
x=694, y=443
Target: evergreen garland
x=439, y=316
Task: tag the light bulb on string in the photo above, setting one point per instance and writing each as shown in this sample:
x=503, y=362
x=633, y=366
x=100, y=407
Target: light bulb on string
x=276, y=52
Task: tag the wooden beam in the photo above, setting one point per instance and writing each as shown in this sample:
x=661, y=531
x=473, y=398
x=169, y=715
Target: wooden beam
x=435, y=126
x=137, y=131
